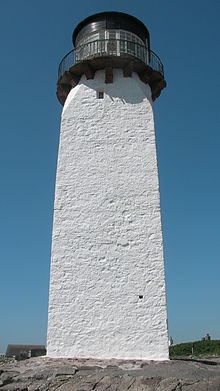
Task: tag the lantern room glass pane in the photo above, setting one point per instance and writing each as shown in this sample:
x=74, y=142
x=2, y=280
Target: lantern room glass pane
x=111, y=42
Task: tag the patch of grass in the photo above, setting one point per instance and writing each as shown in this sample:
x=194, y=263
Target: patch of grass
x=6, y=360
x=197, y=348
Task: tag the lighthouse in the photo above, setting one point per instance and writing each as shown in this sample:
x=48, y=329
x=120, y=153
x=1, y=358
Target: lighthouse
x=107, y=294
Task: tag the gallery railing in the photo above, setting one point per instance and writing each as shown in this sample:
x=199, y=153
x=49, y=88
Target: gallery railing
x=110, y=47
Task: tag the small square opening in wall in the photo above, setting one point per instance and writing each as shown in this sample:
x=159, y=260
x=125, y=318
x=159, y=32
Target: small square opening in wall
x=100, y=94
x=141, y=296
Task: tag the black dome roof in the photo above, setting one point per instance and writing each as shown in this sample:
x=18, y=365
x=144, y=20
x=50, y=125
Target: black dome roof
x=111, y=20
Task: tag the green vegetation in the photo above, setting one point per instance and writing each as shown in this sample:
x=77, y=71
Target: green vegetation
x=196, y=349
x=6, y=360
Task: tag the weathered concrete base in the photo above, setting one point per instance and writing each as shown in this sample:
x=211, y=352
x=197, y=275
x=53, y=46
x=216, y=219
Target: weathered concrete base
x=43, y=373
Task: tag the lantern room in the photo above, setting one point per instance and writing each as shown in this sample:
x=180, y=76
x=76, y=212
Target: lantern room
x=110, y=40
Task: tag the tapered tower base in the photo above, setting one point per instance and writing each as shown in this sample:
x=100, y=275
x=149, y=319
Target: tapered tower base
x=107, y=285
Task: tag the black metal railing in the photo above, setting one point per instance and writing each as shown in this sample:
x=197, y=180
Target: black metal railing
x=110, y=47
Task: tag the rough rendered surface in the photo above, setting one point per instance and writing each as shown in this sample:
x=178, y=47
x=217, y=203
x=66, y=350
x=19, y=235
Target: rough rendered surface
x=107, y=285
x=46, y=374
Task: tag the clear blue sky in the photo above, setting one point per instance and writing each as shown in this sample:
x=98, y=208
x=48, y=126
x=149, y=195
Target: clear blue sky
x=35, y=35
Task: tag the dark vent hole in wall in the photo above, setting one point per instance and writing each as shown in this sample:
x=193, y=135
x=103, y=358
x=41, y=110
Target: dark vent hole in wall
x=140, y=296
x=100, y=94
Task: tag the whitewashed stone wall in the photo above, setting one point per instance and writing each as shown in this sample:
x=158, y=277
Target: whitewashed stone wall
x=107, y=285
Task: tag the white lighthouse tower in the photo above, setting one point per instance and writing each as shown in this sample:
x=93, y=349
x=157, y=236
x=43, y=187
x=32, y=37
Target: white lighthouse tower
x=107, y=284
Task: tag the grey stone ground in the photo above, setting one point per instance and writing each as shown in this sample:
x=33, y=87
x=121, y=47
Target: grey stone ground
x=43, y=373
